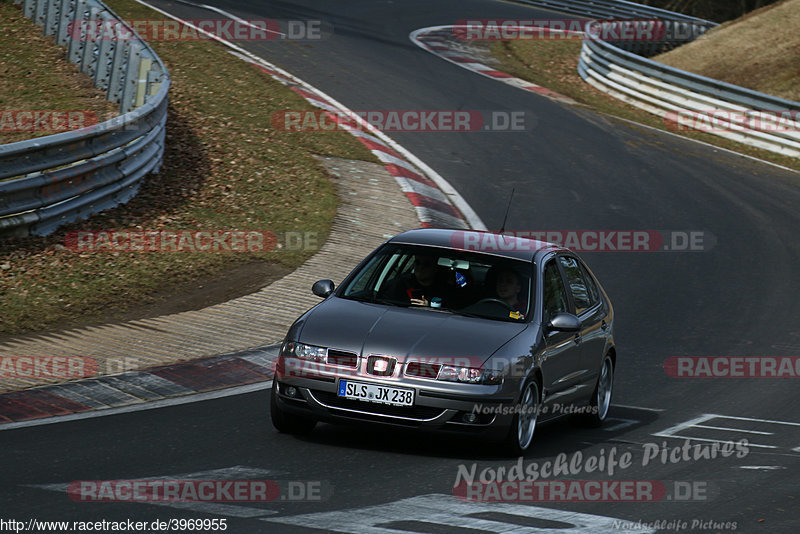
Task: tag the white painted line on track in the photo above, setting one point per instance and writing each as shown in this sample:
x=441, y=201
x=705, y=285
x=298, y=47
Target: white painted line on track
x=229, y=15
x=761, y=467
x=624, y=423
x=735, y=430
x=639, y=408
x=440, y=511
x=697, y=422
x=165, y=403
x=455, y=197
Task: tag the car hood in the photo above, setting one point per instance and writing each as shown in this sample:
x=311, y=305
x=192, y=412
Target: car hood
x=366, y=328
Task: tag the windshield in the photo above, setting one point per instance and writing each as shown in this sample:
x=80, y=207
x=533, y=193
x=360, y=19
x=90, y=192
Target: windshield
x=467, y=283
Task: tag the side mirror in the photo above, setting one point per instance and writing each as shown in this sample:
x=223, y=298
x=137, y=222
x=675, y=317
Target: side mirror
x=322, y=288
x=564, y=322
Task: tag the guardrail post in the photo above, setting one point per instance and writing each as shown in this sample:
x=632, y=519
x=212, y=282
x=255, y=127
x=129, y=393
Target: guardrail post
x=103, y=63
x=51, y=20
x=130, y=77
x=78, y=33
x=41, y=12
x=64, y=24
x=141, y=81
x=88, y=56
x=119, y=52
x=28, y=8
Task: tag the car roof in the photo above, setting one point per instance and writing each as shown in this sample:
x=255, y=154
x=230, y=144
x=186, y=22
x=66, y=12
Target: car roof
x=504, y=245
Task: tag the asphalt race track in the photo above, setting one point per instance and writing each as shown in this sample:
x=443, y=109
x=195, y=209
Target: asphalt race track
x=572, y=170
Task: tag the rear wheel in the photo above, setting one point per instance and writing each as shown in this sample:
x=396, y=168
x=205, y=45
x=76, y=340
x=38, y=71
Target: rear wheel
x=520, y=433
x=601, y=397
x=285, y=422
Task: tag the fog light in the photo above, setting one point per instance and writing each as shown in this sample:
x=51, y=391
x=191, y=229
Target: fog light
x=291, y=391
x=469, y=417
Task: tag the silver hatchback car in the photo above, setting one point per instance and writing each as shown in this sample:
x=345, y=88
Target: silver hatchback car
x=469, y=332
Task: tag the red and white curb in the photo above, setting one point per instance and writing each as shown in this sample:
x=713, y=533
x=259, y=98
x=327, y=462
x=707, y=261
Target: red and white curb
x=167, y=385
x=438, y=41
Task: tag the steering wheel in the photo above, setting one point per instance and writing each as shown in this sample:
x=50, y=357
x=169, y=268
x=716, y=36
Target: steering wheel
x=496, y=301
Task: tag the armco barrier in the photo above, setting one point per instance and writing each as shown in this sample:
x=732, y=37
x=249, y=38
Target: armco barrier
x=621, y=69
x=53, y=180
x=673, y=93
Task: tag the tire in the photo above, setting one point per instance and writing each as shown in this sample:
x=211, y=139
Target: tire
x=520, y=433
x=600, y=402
x=284, y=422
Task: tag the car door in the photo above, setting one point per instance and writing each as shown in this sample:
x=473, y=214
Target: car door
x=562, y=353
x=588, y=306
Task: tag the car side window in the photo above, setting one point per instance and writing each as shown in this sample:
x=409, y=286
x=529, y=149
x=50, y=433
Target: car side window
x=555, y=296
x=591, y=285
x=577, y=284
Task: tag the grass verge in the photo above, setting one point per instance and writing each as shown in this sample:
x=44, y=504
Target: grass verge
x=225, y=167
x=35, y=76
x=758, y=51
x=554, y=64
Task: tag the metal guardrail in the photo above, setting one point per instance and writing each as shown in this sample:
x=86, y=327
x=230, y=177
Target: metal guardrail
x=685, y=100
x=612, y=9
x=675, y=28
x=50, y=181
x=691, y=101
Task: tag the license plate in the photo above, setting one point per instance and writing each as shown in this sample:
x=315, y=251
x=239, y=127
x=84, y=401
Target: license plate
x=374, y=393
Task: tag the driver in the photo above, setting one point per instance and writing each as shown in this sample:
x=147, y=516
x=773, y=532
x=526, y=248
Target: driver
x=423, y=285
x=508, y=287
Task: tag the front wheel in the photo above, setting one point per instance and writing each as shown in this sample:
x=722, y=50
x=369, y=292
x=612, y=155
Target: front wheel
x=284, y=422
x=601, y=397
x=520, y=433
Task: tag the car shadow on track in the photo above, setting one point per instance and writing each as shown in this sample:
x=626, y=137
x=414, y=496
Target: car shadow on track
x=563, y=435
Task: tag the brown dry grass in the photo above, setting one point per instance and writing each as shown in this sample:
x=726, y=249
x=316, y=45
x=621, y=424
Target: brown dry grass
x=760, y=51
x=35, y=76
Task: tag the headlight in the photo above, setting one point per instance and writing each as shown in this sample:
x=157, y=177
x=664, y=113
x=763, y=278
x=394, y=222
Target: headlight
x=469, y=375
x=306, y=352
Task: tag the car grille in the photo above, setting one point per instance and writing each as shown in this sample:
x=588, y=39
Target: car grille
x=417, y=413
x=423, y=370
x=343, y=358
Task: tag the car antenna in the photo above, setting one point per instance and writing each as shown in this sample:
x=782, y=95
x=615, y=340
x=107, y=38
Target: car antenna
x=503, y=227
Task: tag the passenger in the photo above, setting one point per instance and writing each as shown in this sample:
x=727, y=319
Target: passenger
x=508, y=284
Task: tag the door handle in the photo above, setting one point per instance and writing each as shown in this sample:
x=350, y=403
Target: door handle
x=578, y=339
x=604, y=325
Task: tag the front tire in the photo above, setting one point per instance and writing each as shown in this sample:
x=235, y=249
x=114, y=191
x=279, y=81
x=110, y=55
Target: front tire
x=284, y=422
x=520, y=433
